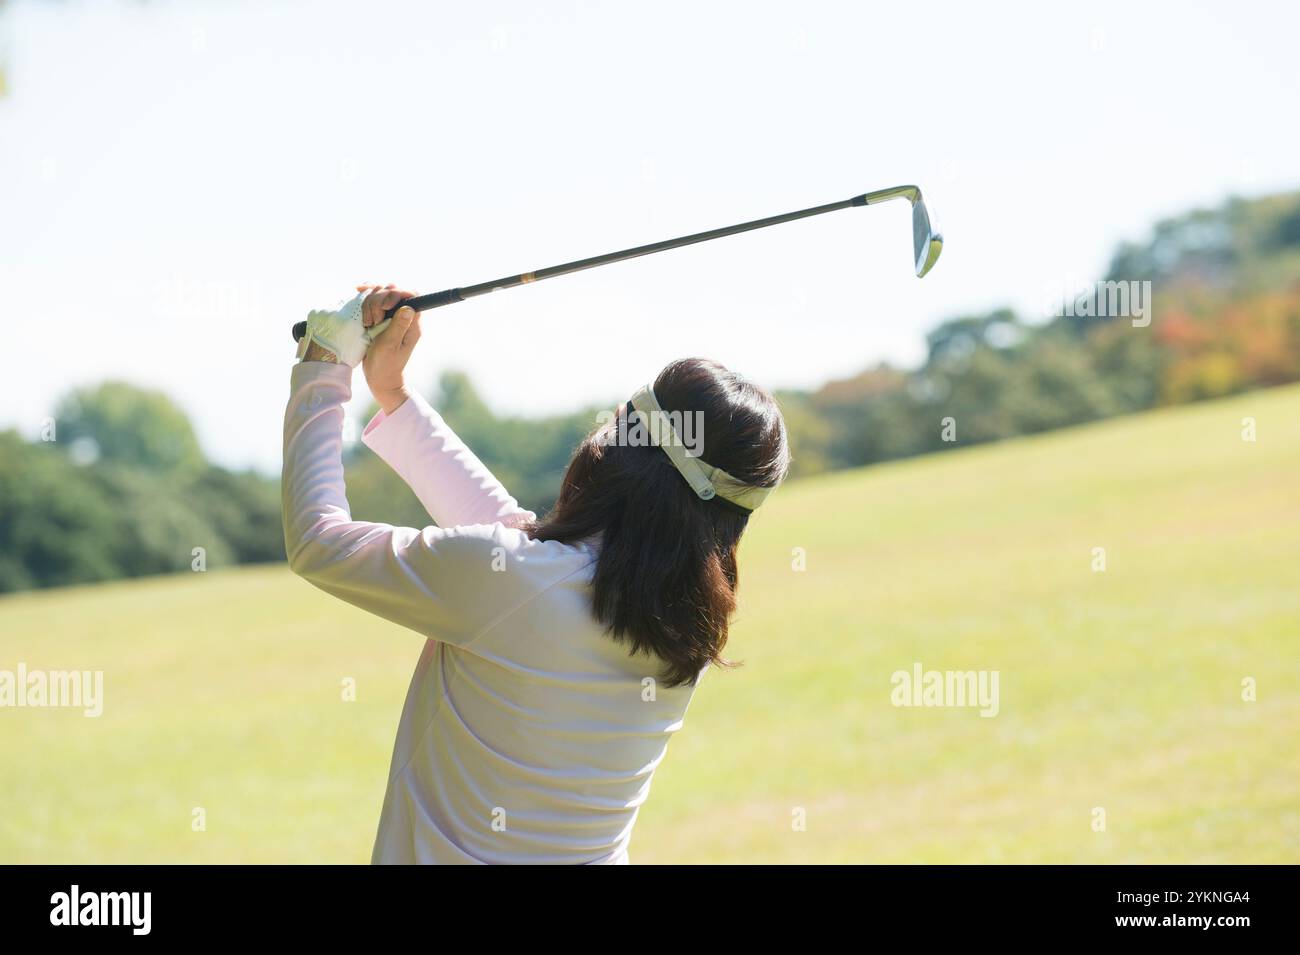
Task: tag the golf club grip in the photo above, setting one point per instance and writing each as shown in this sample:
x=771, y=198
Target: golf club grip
x=420, y=303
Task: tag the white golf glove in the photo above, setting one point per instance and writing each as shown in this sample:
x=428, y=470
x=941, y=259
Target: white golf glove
x=341, y=332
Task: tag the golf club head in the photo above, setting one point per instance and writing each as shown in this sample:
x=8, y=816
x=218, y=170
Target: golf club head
x=927, y=240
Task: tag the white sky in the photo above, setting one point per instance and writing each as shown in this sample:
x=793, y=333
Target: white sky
x=180, y=181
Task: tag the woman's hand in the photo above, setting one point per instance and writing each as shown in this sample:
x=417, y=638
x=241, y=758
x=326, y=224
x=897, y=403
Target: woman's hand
x=385, y=361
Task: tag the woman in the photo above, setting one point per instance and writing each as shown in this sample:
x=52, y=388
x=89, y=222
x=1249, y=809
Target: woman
x=561, y=653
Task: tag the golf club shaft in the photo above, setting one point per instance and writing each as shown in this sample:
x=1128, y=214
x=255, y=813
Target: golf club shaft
x=452, y=295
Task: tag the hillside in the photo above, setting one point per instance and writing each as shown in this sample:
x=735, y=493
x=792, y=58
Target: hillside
x=1119, y=689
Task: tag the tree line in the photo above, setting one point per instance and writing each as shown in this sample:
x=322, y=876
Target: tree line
x=124, y=490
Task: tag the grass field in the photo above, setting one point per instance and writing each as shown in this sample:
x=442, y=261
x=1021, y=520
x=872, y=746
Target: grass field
x=1119, y=689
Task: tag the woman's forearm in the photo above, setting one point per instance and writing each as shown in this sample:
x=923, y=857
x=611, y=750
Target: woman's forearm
x=454, y=486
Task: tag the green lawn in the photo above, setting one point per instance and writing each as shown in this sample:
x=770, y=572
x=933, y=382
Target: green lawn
x=1119, y=690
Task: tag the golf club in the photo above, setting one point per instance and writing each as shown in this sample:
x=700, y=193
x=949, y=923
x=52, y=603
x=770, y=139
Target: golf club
x=927, y=243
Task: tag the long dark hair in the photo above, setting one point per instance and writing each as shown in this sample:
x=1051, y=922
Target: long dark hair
x=666, y=577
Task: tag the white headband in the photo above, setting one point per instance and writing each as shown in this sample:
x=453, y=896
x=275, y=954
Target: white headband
x=705, y=480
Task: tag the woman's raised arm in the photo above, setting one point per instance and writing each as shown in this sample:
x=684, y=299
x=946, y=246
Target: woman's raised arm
x=443, y=583
x=454, y=486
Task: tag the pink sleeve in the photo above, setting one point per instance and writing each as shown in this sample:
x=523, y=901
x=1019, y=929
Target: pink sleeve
x=437, y=581
x=454, y=486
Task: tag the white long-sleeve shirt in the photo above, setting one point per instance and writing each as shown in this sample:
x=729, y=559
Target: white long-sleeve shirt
x=528, y=735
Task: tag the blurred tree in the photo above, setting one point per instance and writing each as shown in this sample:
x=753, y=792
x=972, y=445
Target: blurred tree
x=456, y=397
x=243, y=508
x=1247, y=245
x=376, y=493
x=860, y=415
x=55, y=525
x=810, y=432
x=157, y=525
x=1131, y=364
x=1201, y=243
x=957, y=339
x=1055, y=384
x=130, y=425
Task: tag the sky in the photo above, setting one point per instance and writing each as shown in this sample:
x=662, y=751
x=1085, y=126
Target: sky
x=181, y=181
